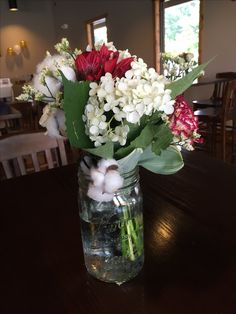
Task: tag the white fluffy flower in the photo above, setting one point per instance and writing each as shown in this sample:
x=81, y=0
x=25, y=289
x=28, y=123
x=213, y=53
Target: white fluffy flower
x=53, y=120
x=47, y=78
x=106, y=180
x=68, y=72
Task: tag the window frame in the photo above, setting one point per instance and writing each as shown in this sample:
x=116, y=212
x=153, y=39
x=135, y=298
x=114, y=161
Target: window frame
x=90, y=28
x=159, y=7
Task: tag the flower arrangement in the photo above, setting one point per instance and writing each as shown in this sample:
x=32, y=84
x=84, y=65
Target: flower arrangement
x=109, y=104
x=177, y=65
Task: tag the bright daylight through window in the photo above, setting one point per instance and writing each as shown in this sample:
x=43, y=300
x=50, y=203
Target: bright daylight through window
x=181, y=27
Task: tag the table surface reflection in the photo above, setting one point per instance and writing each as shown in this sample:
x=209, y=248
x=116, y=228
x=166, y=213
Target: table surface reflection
x=190, y=245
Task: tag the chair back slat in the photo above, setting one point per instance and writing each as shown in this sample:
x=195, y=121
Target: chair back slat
x=228, y=113
x=62, y=151
x=21, y=165
x=7, y=169
x=49, y=158
x=35, y=162
x=25, y=145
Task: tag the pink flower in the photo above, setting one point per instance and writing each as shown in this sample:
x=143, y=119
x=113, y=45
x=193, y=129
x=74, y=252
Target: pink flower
x=183, y=123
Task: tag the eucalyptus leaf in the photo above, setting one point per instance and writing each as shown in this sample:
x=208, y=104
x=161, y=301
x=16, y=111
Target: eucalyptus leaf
x=136, y=128
x=146, y=136
x=129, y=162
x=179, y=86
x=123, y=151
x=162, y=140
x=168, y=162
x=105, y=151
x=75, y=99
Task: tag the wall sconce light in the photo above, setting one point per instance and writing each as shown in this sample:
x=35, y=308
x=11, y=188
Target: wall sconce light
x=23, y=44
x=13, y=5
x=17, y=49
x=10, y=51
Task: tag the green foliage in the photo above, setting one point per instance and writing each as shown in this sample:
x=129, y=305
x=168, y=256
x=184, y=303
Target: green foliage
x=128, y=163
x=75, y=100
x=162, y=140
x=179, y=86
x=105, y=151
x=158, y=134
x=168, y=162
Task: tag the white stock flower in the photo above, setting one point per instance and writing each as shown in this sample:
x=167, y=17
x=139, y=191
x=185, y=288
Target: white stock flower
x=53, y=86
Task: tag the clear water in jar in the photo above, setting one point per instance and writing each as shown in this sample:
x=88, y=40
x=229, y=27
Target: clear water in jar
x=113, y=247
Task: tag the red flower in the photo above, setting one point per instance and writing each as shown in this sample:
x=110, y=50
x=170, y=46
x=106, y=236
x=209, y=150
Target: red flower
x=88, y=65
x=94, y=64
x=183, y=123
x=122, y=67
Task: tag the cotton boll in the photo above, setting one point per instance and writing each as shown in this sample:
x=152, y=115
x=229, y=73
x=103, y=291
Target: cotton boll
x=61, y=120
x=45, y=116
x=97, y=194
x=68, y=72
x=52, y=127
x=84, y=168
x=103, y=164
x=97, y=177
x=53, y=84
x=113, y=181
x=50, y=122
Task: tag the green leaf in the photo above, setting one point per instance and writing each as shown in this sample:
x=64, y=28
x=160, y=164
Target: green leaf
x=162, y=140
x=179, y=86
x=135, y=128
x=75, y=99
x=105, y=151
x=123, y=151
x=146, y=136
x=158, y=134
x=129, y=162
x=168, y=162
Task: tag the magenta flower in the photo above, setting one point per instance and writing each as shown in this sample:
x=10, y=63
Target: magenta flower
x=183, y=123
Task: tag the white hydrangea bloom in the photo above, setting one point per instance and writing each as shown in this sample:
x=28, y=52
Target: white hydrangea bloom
x=141, y=92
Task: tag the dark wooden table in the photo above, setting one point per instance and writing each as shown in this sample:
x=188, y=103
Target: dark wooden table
x=190, y=245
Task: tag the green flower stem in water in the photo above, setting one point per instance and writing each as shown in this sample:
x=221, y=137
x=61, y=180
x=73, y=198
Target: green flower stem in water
x=130, y=237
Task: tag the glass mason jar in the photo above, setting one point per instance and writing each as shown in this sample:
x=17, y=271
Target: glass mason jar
x=112, y=232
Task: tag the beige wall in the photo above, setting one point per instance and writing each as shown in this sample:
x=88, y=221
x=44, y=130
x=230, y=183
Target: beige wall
x=130, y=23
x=130, y=26
x=39, y=23
x=34, y=23
x=218, y=41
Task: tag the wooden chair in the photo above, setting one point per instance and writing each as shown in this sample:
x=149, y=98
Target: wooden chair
x=220, y=85
x=26, y=110
x=25, y=153
x=220, y=122
x=11, y=122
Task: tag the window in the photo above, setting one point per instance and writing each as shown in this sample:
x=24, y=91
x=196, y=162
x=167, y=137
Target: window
x=178, y=26
x=181, y=27
x=96, y=30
